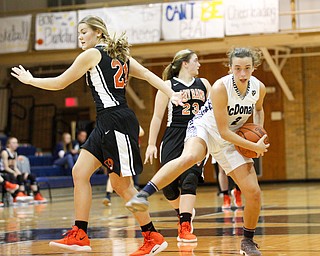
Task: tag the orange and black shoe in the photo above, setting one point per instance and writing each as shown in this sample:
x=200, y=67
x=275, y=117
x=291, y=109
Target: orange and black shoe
x=153, y=244
x=39, y=198
x=236, y=194
x=75, y=239
x=10, y=187
x=226, y=202
x=22, y=197
x=184, y=233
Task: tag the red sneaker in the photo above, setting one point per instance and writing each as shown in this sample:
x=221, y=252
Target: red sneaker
x=226, y=202
x=153, y=244
x=184, y=233
x=236, y=197
x=1, y=204
x=10, y=187
x=22, y=197
x=192, y=218
x=39, y=198
x=75, y=239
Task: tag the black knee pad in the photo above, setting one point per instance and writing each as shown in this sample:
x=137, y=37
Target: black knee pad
x=171, y=192
x=189, y=184
x=20, y=179
x=32, y=179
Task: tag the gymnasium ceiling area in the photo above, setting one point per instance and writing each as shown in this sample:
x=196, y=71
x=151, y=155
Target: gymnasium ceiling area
x=280, y=46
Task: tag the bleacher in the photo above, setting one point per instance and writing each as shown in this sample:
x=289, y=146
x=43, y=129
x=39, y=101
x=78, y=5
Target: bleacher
x=50, y=175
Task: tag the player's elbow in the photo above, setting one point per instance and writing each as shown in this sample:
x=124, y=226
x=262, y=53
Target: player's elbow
x=224, y=134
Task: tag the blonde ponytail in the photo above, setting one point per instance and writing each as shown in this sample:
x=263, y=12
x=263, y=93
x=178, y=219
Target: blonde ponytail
x=117, y=48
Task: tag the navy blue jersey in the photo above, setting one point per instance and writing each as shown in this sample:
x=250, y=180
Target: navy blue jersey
x=196, y=92
x=107, y=81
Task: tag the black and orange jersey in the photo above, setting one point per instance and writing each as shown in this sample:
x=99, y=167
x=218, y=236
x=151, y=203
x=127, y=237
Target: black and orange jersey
x=108, y=80
x=196, y=91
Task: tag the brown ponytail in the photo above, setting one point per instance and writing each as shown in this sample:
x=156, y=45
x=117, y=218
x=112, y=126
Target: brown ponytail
x=173, y=69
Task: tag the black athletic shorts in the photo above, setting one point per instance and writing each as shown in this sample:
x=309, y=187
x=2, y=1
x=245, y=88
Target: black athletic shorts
x=172, y=147
x=114, y=141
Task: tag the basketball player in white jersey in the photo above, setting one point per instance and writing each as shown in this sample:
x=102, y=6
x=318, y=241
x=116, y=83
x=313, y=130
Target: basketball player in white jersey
x=233, y=99
x=114, y=141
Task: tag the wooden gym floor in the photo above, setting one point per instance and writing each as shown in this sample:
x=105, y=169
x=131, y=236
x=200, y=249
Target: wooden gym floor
x=289, y=224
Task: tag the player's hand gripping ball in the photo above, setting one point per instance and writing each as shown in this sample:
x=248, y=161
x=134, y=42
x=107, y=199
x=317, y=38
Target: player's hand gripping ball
x=252, y=132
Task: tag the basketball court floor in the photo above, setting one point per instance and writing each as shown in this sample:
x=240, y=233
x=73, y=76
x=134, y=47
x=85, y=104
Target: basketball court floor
x=289, y=224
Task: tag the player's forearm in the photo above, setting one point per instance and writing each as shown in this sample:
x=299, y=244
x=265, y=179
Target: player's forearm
x=50, y=83
x=258, y=117
x=154, y=131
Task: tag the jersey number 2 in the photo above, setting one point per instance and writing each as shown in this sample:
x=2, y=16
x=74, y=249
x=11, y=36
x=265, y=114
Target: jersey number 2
x=120, y=78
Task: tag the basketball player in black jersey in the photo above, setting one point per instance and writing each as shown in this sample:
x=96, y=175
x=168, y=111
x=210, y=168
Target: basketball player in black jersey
x=114, y=141
x=180, y=76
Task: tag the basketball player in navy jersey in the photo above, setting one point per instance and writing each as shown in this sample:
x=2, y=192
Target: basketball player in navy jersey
x=180, y=76
x=233, y=99
x=114, y=141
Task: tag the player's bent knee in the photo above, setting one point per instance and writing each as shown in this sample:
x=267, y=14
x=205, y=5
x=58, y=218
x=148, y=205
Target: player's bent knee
x=188, y=160
x=253, y=194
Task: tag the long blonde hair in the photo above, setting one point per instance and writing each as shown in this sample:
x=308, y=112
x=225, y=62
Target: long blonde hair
x=117, y=48
x=173, y=69
x=67, y=147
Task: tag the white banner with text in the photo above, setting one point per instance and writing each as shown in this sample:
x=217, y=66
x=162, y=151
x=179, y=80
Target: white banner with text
x=56, y=30
x=192, y=20
x=15, y=33
x=251, y=17
x=141, y=23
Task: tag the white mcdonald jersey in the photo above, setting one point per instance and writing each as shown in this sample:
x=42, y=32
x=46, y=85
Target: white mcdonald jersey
x=239, y=108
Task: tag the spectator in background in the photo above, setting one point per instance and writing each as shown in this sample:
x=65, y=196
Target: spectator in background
x=63, y=153
x=9, y=159
x=81, y=138
x=6, y=185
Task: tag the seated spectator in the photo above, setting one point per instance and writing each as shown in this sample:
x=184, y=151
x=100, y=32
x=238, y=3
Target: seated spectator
x=81, y=138
x=11, y=172
x=63, y=153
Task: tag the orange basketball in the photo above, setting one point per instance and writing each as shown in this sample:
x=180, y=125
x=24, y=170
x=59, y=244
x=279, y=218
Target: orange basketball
x=252, y=132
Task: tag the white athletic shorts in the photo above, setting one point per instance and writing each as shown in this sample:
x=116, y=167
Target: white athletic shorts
x=223, y=151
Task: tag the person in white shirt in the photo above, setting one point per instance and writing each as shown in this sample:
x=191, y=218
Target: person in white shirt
x=233, y=99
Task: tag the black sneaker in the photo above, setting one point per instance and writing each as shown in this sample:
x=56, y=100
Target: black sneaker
x=249, y=248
